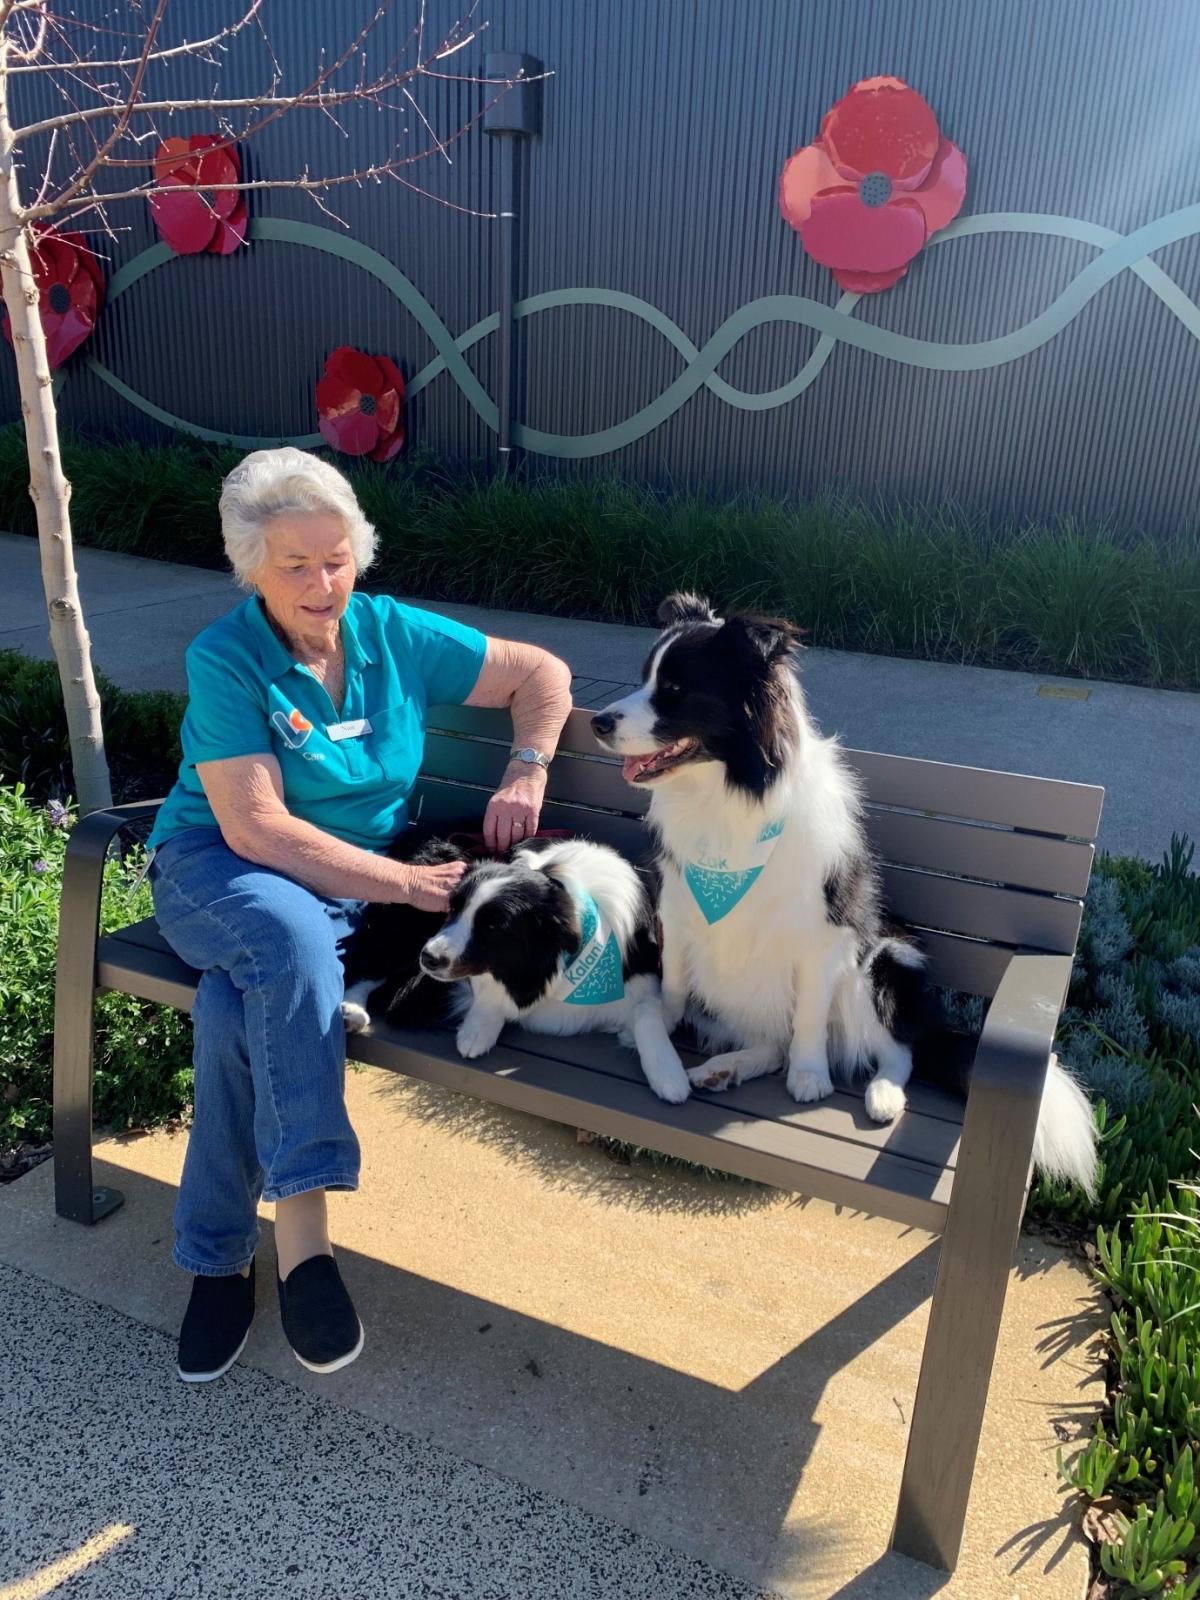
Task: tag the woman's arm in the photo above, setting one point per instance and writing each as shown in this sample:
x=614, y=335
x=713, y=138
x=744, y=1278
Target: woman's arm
x=246, y=796
x=537, y=688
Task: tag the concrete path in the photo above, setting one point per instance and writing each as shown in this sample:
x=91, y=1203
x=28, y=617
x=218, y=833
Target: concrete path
x=581, y=1378
x=1143, y=745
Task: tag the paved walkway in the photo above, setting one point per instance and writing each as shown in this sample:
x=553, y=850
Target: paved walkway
x=1143, y=745
x=582, y=1380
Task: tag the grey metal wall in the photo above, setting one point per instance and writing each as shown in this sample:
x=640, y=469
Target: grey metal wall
x=666, y=124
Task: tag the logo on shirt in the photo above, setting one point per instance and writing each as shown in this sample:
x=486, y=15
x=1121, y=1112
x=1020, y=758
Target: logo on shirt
x=293, y=728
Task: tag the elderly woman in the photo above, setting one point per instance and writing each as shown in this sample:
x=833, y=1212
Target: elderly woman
x=302, y=741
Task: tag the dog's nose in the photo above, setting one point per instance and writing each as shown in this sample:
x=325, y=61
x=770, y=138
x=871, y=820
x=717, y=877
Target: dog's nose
x=604, y=722
x=434, y=960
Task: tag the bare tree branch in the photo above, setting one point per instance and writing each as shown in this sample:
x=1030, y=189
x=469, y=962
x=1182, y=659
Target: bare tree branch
x=360, y=175
x=84, y=178
x=188, y=48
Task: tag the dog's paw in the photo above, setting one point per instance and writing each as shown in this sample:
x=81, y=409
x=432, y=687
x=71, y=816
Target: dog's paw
x=356, y=1017
x=712, y=1075
x=477, y=1034
x=885, y=1101
x=808, y=1081
x=665, y=1075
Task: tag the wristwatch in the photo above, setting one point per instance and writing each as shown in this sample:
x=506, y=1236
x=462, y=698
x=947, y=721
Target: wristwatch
x=532, y=757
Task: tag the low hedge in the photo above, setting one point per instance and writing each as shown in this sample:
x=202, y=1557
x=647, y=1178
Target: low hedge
x=933, y=584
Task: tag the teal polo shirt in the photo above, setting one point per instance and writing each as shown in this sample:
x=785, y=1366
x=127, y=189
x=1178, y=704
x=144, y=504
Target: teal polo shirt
x=248, y=695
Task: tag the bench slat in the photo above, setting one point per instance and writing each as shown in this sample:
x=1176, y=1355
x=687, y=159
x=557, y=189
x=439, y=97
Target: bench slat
x=574, y=779
x=481, y=722
x=971, y=965
x=1021, y=860
x=928, y=1131
x=1044, y=805
x=1012, y=916
x=1011, y=799
x=439, y=802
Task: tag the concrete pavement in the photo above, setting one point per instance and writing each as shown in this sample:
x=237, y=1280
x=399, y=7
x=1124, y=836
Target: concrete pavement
x=581, y=1378
x=1143, y=745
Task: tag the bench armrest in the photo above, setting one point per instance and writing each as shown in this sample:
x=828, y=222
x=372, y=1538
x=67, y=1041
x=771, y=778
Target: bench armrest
x=1013, y=1054
x=87, y=850
x=83, y=876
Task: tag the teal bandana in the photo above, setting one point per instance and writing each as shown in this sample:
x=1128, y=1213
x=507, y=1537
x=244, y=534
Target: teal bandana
x=593, y=974
x=716, y=886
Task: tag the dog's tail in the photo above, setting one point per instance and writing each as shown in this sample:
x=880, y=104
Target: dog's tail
x=1064, y=1145
x=1064, y=1141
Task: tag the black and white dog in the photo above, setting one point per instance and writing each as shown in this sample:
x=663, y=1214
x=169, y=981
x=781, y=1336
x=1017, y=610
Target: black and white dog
x=773, y=935
x=559, y=937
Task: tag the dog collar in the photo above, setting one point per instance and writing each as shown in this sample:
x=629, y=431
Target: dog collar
x=593, y=975
x=717, y=884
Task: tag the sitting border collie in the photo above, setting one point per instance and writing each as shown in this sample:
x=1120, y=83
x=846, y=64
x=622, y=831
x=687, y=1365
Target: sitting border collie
x=558, y=937
x=773, y=935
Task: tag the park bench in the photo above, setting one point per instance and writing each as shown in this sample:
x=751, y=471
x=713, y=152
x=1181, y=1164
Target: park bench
x=990, y=869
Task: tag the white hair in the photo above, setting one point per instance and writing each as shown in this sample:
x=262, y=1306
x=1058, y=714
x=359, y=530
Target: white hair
x=287, y=481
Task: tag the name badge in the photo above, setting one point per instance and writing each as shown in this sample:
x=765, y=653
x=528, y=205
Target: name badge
x=349, y=730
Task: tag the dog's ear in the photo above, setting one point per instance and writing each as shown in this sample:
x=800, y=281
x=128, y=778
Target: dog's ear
x=770, y=638
x=680, y=607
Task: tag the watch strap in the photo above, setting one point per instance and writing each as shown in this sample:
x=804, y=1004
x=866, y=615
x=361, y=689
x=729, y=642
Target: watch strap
x=530, y=757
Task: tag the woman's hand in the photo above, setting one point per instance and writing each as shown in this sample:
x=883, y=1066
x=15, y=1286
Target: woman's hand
x=513, y=811
x=430, y=887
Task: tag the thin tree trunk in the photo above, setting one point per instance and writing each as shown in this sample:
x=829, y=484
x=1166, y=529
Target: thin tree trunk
x=49, y=488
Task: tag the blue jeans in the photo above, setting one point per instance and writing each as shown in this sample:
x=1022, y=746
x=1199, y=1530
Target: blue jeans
x=269, y=1042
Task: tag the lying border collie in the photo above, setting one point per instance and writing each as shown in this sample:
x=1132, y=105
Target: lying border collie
x=558, y=937
x=773, y=935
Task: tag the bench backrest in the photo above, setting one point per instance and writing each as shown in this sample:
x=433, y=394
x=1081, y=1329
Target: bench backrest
x=981, y=863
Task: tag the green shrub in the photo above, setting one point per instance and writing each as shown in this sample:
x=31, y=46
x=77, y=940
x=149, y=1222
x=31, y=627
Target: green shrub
x=143, y=1053
x=1142, y=1454
x=141, y=733
x=1131, y=1031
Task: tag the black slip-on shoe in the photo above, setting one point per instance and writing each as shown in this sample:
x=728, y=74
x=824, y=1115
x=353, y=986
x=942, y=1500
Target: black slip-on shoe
x=318, y=1316
x=216, y=1326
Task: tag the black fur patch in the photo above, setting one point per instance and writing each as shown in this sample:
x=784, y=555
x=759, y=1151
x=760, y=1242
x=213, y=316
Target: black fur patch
x=520, y=933
x=389, y=939
x=900, y=992
x=852, y=899
x=641, y=956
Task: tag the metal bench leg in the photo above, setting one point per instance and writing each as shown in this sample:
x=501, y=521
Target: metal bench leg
x=75, y=1195
x=986, y=1204
x=960, y=1347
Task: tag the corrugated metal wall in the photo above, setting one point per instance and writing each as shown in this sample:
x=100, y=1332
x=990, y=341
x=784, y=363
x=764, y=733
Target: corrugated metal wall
x=665, y=127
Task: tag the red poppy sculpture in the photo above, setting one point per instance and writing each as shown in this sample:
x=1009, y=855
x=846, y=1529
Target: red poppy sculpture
x=872, y=187
x=193, y=215
x=360, y=403
x=70, y=289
